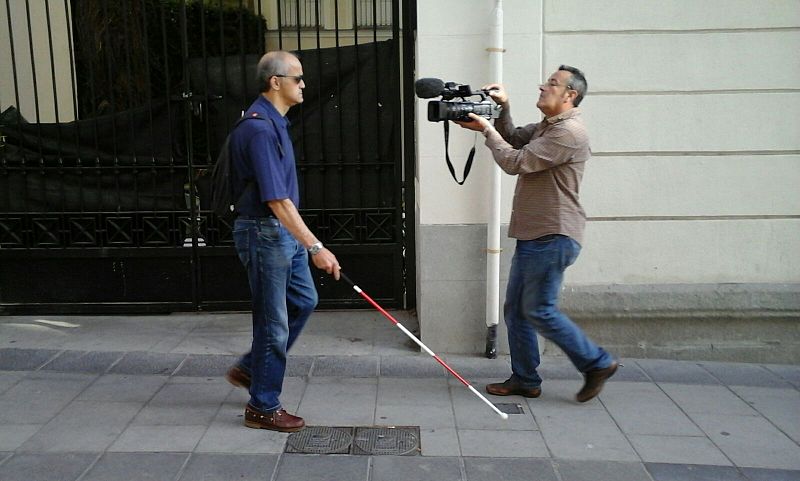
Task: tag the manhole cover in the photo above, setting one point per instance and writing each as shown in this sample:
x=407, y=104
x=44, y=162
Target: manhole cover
x=510, y=408
x=320, y=440
x=398, y=441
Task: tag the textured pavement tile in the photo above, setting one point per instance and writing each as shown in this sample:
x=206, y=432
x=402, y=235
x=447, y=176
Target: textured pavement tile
x=140, y=362
x=227, y=467
x=439, y=442
x=83, y=426
x=509, y=469
x=413, y=468
x=642, y=408
x=750, y=441
x=123, y=388
x=345, y=366
x=739, y=374
x=707, y=399
x=294, y=467
x=600, y=471
x=13, y=435
x=419, y=366
x=584, y=434
x=339, y=402
x=206, y=365
x=134, y=466
x=790, y=373
x=83, y=361
x=780, y=406
x=24, y=359
x=299, y=366
x=502, y=444
x=231, y=436
x=683, y=472
x=555, y=368
x=45, y=466
x=678, y=449
x=757, y=474
x=679, y=372
x=158, y=438
x=470, y=367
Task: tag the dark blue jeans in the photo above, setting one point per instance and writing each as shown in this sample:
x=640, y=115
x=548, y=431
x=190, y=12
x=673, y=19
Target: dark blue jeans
x=537, y=271
x=283, y=296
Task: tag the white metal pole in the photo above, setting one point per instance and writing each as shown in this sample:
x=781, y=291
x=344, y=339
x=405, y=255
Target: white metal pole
x=493, y=250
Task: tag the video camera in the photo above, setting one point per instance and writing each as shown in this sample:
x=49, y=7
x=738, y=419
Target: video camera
x=447, y=108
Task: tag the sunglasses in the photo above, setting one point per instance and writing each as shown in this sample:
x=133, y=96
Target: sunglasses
x=297, y=78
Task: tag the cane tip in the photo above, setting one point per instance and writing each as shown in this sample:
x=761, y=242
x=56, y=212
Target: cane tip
x=504, y=416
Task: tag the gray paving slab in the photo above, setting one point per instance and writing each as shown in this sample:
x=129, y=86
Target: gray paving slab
x=684, y=472
x=229, y=435
x=345, y=366
x=629, y=372
x=83, y=426
x=206, y=365
x=9, y=378
x=707, y=399
x=183, y=404
x=417, y=366
x=491, y=469
x=136, y=466
x=750, y=441
x=429, y=416
x=555, y=368
x=472, y=413
x=502, y=444
x=439, y=442
x=681, y=372
x=740, y=374
x=415, y=392
x=46, y=466
x=339, y=402
x=309, y=467
x=642, y=408
x=299, y=365
x=678, y=450
x=570, y=470
x=40, y=396
x=757, y=474
x=158, y=439
x=471, y=367
x=83, y=361
x=148, y=363
x=414, y=468
x=25, y=359
x=780, y=406
x=123, y=388
x=589, y=434
x=13, y=436
x=228, y=467
x=790, y=373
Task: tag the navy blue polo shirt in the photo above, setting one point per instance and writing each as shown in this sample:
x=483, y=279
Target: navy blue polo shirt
x=261, y=151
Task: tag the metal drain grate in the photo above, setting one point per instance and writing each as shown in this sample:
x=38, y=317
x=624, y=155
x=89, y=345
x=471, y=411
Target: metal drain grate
x=396, y=441
x=320, y=440
x=510, y=408
x=373, y=440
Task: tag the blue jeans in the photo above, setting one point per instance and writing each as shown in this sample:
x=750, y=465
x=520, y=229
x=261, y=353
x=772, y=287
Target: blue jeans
x=283, y=295
x=537, y=271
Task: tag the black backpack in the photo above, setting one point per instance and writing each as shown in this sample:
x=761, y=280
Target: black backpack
x=222, y=202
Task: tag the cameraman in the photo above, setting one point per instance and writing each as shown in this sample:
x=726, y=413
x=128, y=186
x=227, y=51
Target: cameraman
x=548, y=222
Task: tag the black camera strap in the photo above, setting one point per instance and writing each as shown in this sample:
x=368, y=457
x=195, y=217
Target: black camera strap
x=471, y=155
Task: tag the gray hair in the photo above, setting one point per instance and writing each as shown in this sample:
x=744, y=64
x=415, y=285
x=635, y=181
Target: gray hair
x=577, y=82
x=272, y=63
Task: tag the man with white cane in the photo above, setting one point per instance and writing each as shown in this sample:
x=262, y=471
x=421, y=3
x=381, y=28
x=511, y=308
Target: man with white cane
x=548, y=222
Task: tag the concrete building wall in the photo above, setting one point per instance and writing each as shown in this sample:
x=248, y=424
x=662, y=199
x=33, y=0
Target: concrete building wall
x=692, y=113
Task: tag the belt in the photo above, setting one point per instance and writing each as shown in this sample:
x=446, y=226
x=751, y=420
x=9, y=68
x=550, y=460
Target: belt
x=548, y=237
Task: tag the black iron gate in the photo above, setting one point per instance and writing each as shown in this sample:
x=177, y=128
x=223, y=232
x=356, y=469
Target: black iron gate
x=104, y=161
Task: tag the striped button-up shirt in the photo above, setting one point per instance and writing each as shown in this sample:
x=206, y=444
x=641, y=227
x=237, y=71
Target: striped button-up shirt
x=549, y=158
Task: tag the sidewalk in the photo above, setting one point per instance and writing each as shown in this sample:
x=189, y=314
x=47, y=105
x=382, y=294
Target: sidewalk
x=132, y=398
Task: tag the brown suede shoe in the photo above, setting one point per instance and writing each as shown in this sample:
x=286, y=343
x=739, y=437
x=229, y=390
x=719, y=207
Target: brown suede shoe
x=278, y=420
x=595, y=379
x=238, y=377
x=510, y=387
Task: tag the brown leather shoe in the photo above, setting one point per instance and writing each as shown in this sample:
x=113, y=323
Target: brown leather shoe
x=238, y=377
x=278, y=420
x=510, y=387
x=595, y=379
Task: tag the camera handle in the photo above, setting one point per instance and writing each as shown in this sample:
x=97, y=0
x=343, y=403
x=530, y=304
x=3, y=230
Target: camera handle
x=470, y=157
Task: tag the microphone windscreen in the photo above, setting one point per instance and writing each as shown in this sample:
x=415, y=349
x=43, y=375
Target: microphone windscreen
x=427, y=88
